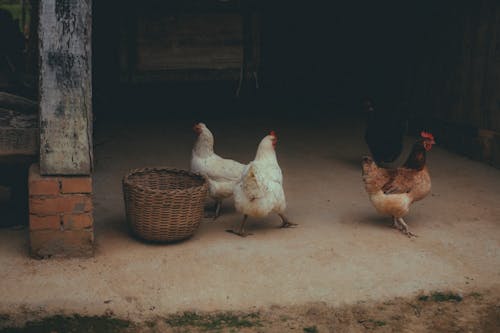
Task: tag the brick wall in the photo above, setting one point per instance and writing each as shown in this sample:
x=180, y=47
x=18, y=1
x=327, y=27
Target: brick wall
x=60, y=210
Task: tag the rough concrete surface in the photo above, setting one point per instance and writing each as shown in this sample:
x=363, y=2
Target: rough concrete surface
x=342, y=252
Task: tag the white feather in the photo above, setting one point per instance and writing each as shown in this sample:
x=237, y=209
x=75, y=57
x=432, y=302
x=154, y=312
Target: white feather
x=260, y=189
x=220, y=173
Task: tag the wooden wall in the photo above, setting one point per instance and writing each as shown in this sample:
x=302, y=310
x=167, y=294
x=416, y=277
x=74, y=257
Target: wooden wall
x=211, y=41
x=455, y=82
x=176, y=41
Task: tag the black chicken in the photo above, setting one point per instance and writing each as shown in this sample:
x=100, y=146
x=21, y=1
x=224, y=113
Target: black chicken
x=384, y=133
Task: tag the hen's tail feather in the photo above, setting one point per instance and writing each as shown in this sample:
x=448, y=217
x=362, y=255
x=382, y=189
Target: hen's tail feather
x=371, y=175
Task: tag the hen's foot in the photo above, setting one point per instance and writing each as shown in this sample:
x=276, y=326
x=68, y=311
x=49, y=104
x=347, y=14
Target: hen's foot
x=239, y=233
x=213, y=213
x=401, y=225
x=410, y=234
x=286, y=223
x=209, y=215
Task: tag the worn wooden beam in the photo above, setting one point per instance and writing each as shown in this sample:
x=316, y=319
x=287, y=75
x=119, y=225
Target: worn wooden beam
x=65, y=87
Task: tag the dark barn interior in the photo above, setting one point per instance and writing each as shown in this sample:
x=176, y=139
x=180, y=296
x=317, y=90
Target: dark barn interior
x=434, y=64
x=314, y=55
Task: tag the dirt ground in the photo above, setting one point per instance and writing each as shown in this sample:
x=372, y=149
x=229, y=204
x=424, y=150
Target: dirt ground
x=432, y=312
x=319, y=274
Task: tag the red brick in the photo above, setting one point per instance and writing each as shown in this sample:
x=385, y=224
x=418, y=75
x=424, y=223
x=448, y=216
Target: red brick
x=67, y=243
x=63, y=204
x=76, y=184
x=34, y=173
x=77, y=221
x=45, y=222
x=44, y=187
x=39, y=185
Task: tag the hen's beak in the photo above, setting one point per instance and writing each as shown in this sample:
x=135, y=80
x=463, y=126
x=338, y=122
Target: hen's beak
x=197, y=128
x=367, y=159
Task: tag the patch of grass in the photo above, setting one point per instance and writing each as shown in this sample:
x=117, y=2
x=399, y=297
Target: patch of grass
x=71, y=324
x=284, y=318
x=417, y=310
x=4, y=318
x=311, y=329
x=372, y=323
x=379, y=323
x=441, y=297
x=476, y=295
x=216, y=321
x=185, y=319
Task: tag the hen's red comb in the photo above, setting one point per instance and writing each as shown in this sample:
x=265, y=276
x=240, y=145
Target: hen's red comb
x=427, y=135
x=273, y=133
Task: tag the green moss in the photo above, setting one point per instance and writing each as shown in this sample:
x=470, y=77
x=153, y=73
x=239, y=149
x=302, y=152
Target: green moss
x=476, y=295
x=379, y=323
x=311, y=329
x=284, y=318
x=71, y=324
x=441, y=297
x=372, y=323
x=214, y=321
x=14, y=9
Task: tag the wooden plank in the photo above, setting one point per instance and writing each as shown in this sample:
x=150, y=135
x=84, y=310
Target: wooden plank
x=191, y=41
x=17, y=141
x=14, y=119
x=18, y=134
x=18, y=103
x=65, y=87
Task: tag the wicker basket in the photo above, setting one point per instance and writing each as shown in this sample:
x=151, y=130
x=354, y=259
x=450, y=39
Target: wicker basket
x=162, y=204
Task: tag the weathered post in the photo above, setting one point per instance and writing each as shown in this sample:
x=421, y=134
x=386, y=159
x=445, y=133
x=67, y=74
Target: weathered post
x=65, y=87
x=61, y=221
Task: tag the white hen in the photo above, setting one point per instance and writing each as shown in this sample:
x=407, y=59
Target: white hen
x=260, y=189
x=220, y=173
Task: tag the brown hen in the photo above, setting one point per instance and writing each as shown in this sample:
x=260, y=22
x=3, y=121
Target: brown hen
x=392, y=191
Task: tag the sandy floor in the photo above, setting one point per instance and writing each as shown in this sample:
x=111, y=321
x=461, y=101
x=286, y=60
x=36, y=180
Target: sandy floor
x=341, y=253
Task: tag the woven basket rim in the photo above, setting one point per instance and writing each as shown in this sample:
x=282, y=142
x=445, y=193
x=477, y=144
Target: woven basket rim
x=127, y=181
